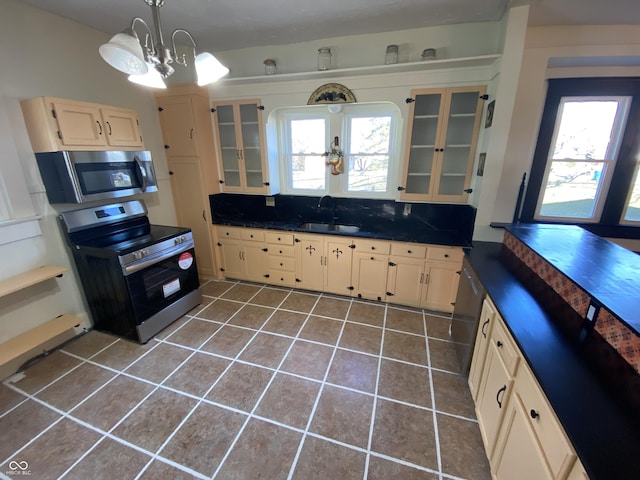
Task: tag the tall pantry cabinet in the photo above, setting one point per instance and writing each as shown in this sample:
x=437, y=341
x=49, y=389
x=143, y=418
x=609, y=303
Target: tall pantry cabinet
x=185, y=118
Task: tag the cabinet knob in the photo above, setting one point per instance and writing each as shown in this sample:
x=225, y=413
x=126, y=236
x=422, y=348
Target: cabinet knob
x=499, y=344
x=468, y=190
x=400, y=189
x=534, y=414
x=446, y=255
x=409, y=252
x=410, y=100
x=160, y=109
x=166, y=147
x=171, y=173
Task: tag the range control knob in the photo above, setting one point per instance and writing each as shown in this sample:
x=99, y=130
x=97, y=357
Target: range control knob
x=179, y=240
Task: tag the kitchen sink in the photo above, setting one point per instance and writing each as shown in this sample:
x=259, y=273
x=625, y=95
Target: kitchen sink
x=329, y=227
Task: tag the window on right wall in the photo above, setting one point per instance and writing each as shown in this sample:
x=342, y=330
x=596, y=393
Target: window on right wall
x=587, y=160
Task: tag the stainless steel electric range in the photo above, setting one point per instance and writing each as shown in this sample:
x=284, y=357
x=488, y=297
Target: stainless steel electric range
x=137, y=278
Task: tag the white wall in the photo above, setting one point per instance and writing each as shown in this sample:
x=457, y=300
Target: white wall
x=43, y=54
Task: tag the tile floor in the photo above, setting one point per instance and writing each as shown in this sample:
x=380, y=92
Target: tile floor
x=257, y=382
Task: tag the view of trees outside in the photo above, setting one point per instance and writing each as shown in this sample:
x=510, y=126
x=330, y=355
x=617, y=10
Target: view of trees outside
x=308, y=145
x=580, y=158
x=368, y=153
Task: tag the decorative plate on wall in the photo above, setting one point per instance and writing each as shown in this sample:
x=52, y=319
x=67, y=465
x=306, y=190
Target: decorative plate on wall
x=331, y=93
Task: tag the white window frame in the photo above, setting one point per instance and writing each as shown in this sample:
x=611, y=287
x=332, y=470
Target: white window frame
x=337, y=125
x=609, y=161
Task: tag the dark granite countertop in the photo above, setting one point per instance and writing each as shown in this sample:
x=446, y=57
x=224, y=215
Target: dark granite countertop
x=607, y=272
x=603, y=432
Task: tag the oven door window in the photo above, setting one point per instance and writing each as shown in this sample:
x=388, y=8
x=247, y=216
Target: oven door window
x=159, y=285
x=107, y=176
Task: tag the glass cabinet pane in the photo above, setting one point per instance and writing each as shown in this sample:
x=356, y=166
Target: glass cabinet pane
x=424, y=131
x=251, y=152
x=228, y=146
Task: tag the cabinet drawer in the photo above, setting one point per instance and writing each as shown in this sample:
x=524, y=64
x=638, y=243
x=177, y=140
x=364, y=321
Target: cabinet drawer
x=224, y=232
x=507, y=350
x=287, y=279
x=279, y=238
x=448, y=254
x=281, y=250
x=252, y=235
x=411, y=250
x=550, y=436
x=372, y=246
x=282, y=263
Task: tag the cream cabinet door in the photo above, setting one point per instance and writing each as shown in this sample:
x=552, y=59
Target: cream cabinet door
x=309, y=255
x=185, y=179
x=256, y=261
x=79, y=124
x=440, y=286
x=404, y=280
x=121, y=127
x=338, y=257
x=178, y=126
x=370, y=275
x=487, y=318
x=231, y=252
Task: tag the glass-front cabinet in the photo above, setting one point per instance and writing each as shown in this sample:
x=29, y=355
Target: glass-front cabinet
x=441, y=143
x=242, y=158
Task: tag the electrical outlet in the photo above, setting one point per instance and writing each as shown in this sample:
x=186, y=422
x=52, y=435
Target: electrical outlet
x=407, y=209
x=592, y=311
x=271, y=201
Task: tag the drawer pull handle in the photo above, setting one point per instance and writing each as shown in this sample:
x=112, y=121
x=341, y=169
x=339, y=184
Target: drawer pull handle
x=446, y=255
x=534, y=414
x=498, y=399
x=409, y=251
x=484, y=334
x=499, y=344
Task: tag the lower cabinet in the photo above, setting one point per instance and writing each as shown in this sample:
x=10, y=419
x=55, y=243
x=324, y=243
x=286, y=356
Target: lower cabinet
x=522, y=437
x=397, y=272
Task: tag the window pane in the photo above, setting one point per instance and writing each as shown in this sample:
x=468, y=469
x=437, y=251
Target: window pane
x=632, y=211
x=307, y=145
x=572, y=189
x=585, y=130
x=368, y=154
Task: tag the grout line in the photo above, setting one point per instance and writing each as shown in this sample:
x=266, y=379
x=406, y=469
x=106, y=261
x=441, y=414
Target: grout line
x=433, y=402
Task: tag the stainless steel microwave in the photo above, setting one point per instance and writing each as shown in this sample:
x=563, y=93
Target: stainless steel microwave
x=78, y=177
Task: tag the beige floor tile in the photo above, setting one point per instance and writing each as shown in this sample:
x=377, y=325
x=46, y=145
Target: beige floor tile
x=46, y=371
x=202, y=441
x=438, y=327
x=405, y=320
x=22, y=424
x=194, y=333
x=159, y=363
x=383, y=469
x=270, y=297
x=241, y=292
x=220, y=310
x=289, y=400
x=452, y=394
x=401, y=346
x=228, y=341
x=406, y=433
x=300, y=302
x=308, y=359
x=122, y=353
x=56, y=450
x=251, y=316
x=163, y=471
x=109, y=458
x=366, y=313
x=108, y=405
x=266, y=349
x=241, y=386
x=90, y=343
x=320, y=460
x=462, y=449
x=179, y=323
x=443, y=355
x=152, y=422
x=321, y=330
x=9, y=398
x=332, y=307
x=343, y=415
x=285, y=323
x=262, y=451
x=362, y=338
x=197, y=374
x=82, y=381
x=404, y=382
x=354, y=370
x=215, y=288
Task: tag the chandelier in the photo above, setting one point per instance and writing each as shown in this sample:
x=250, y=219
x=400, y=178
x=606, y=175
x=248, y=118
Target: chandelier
x=150, y=63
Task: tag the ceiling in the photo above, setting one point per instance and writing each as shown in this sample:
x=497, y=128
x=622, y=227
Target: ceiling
x=224, y=25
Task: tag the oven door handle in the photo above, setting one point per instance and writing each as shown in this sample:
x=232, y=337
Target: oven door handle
x=156, y=258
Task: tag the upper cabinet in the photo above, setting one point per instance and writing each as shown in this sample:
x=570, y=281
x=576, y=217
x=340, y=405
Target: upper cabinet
x=56, y=124
x=242, y=159
x=441, y=143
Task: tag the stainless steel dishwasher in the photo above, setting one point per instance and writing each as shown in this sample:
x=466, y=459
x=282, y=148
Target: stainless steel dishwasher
x=466, y=315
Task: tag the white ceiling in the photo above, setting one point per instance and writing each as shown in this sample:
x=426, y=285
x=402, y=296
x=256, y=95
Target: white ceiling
x=224, y=25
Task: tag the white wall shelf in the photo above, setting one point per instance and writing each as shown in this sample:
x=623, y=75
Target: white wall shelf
x=32, y=277
x=465, y=62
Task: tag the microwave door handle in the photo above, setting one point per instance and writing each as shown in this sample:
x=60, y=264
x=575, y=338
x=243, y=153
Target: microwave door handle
x=143, y=172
